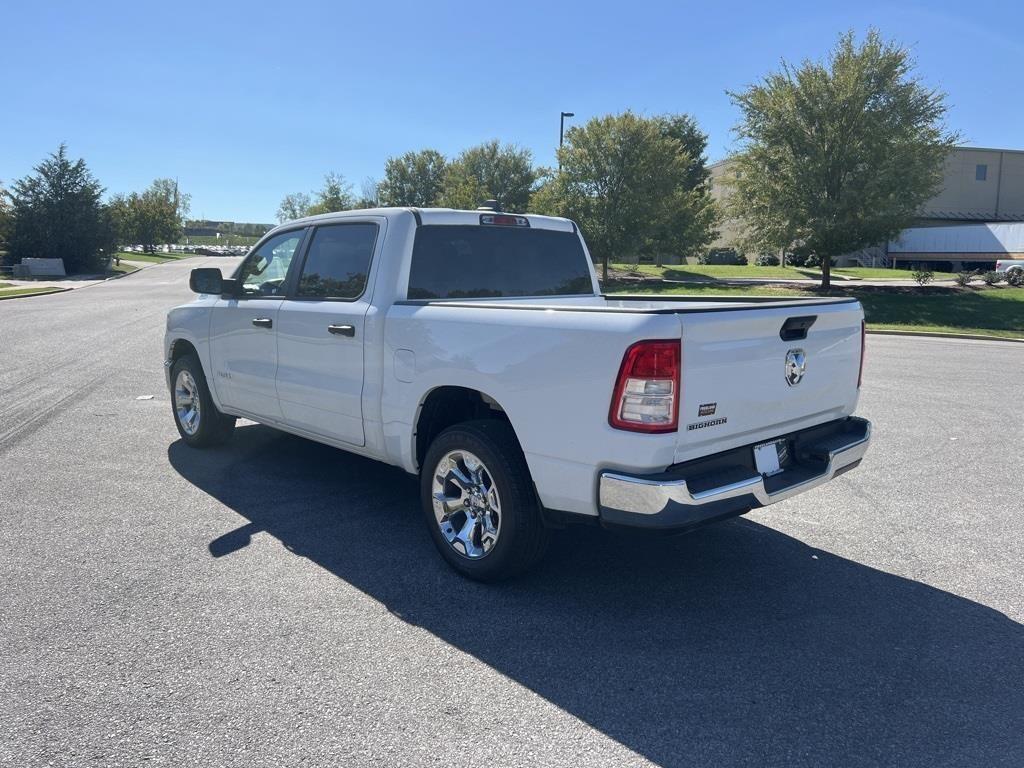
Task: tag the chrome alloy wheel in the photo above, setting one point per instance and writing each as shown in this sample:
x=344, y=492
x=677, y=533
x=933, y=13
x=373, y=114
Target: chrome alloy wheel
x=186, y=402
x=466, y=504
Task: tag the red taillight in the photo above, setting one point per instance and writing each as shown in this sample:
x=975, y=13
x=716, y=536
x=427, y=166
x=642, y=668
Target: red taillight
x=860, y=372
x=646, y=395
x=504, y=220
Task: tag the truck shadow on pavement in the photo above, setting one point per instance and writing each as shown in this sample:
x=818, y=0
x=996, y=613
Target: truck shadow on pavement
x=732, y=645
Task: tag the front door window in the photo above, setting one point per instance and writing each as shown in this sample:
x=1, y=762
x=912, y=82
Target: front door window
x=264, y=272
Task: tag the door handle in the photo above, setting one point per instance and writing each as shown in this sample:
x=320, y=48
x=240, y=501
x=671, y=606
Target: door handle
x=263, y=322
x=342, y=330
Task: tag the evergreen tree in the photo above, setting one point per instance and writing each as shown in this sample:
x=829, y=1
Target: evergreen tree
x=56, y=212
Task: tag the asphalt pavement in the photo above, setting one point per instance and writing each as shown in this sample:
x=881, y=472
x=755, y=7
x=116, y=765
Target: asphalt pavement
x=277, y=602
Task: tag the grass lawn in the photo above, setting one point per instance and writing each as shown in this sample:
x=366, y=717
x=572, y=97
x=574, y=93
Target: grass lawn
x=670, y=289
x=152, y=258
x=22, y=290
x=993, y=311
x=708, y=271
x=997, y=311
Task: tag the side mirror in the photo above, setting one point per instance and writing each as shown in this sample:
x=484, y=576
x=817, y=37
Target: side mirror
x=206, y=280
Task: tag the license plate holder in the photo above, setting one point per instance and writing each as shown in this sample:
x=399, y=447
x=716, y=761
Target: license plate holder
x=769, y=457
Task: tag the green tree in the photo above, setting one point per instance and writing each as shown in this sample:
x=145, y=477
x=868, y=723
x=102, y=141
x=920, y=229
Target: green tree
x=56, y=212
x=294, y=206
x=635, y=185
x=335, y=195
x=490, y=171
x=5, y=217
x=414, y=179
x=154, y=216
x=369, y=194
x=838, y=156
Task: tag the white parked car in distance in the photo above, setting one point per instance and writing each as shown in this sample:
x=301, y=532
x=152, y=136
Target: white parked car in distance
x=475, y=349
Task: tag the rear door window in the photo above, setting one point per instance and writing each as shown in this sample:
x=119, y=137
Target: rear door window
x=338, y=261
x=457, y=262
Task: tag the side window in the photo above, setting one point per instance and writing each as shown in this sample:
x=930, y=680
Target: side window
x=338, y=261
x=264, y=272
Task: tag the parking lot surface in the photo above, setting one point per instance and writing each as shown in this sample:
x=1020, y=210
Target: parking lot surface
x=278, y=602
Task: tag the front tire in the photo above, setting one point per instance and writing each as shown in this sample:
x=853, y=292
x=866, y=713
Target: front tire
x=199, y=422
x=479, y=502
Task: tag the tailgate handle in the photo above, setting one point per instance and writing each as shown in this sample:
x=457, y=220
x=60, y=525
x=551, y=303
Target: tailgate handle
x=795, y=328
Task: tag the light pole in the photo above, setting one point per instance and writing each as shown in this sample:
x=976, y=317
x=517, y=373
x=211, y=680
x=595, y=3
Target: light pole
x=561, y=133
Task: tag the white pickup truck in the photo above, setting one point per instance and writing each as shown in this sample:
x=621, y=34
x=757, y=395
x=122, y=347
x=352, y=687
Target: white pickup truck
x=1009, y=266
x=475, y=349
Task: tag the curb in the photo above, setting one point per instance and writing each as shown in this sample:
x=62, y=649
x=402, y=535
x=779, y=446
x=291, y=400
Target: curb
x=939, y=335
x=106, y=280
x=37, y=293
x=125, y=274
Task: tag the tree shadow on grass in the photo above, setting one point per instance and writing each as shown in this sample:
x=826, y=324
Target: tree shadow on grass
x=972, y=308
x=732, y=645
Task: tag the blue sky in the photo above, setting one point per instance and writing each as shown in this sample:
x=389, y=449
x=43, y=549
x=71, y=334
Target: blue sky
x=244, y=104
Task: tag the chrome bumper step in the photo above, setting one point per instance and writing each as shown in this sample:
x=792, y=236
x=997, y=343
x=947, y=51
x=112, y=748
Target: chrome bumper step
x=685, y=496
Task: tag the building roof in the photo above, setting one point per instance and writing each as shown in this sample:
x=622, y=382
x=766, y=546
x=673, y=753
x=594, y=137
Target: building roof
x=970, y=215
x=728, y=158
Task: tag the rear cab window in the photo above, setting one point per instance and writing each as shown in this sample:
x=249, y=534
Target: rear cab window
x=478, y=261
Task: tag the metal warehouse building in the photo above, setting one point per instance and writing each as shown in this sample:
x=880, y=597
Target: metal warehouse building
x=973, y=216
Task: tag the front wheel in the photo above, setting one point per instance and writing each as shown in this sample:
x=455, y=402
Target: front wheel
x=199, y=422
x=479, y=502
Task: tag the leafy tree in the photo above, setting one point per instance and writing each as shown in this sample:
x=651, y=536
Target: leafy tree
x=153, y=216
x=840, y=155
x=56, y=213
x=635, y=185
x=415, y=179
x=369, y=194
x=693, y=142
x=5, y=216
x=294, y=206
x=490, y=171
x=335, y=195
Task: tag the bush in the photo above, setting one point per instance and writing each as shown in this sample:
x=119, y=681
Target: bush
x=727, y=258
x=922, y=276
x=992, y=278
x=1015, y=277
x=963, y=279
x=767, y=260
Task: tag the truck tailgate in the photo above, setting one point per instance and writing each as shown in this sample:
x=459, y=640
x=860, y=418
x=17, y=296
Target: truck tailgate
x=741, y=379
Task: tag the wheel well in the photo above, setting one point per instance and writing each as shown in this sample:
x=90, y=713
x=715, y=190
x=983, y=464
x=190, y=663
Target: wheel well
x=180, y=348
x=447, y=406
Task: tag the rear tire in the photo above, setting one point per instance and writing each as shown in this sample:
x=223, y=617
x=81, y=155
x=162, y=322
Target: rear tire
x=479, y=502
x=199, y=422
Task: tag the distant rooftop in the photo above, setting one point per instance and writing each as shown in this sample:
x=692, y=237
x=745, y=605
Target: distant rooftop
x=726, y=160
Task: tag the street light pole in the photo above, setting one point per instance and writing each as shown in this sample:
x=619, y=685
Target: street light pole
x=561, y=133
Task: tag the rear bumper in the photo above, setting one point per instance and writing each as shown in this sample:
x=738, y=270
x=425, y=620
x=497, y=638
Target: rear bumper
x=724, y=485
